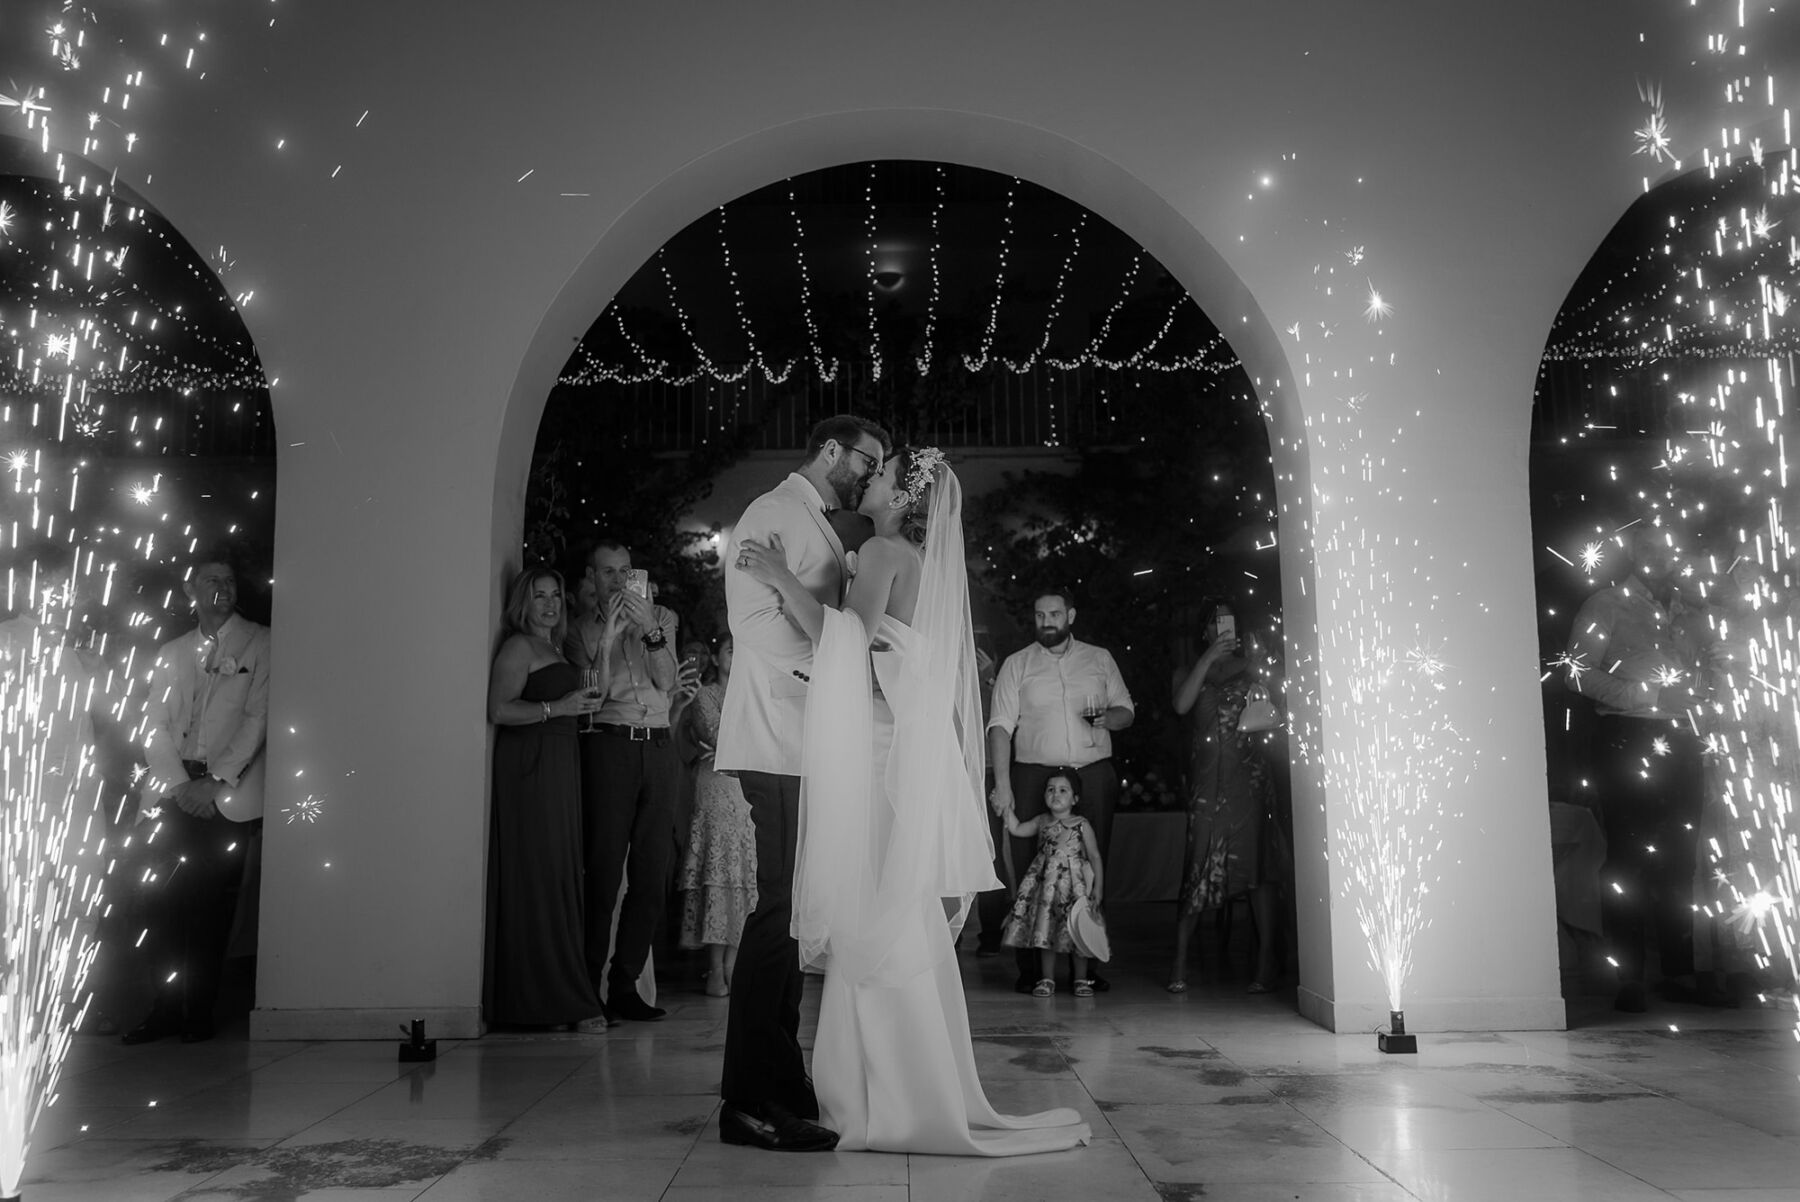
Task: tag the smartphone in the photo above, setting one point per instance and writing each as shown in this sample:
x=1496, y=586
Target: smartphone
x=637, y=580
x=1227, y=627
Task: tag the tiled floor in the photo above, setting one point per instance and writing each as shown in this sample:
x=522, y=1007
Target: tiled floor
x=1213, y=1095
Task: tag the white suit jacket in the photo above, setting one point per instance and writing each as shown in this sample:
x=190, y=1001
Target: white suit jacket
x=230, y=685
x=764, y=714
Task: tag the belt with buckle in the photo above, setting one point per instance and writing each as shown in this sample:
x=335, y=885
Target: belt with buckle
x=637, y=734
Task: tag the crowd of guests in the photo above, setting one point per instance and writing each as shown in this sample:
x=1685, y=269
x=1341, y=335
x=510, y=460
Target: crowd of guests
x=605, y=800
x=1678, y=761
x=610, y=822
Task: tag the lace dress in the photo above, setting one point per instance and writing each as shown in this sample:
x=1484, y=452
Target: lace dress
x=718, y=874
x=1040, y=913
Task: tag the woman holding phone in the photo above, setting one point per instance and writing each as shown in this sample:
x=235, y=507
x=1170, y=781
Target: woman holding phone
x=1231, y=800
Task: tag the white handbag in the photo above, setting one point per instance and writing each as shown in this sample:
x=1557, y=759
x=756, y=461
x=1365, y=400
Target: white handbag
x=1259, y=713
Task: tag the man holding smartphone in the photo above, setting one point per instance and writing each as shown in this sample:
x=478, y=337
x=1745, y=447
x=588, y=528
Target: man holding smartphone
x=630, y=774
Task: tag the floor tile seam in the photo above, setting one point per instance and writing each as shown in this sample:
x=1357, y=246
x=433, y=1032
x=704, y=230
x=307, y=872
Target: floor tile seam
x=526, y=1109
x=1616, y=1167
x=1123, y=1143
x=1359, y=1155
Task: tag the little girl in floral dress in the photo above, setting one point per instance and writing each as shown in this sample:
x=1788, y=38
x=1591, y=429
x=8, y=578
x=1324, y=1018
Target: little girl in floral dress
x=1067, y=866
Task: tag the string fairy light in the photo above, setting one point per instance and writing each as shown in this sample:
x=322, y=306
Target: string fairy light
x=1056, y=298
x=604, y=359
x=824, y=373
x=869, y=208
x=932, y=298
x=978, y=361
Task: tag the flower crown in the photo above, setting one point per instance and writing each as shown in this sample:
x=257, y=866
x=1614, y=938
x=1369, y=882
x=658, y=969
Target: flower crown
x=925, y=462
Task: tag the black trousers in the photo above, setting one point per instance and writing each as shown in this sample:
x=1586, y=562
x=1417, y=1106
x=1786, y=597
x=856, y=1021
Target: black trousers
x=763, y=1061
x=1099, y=795
x=199, y=863
x=629, y=792
x=1649, y=808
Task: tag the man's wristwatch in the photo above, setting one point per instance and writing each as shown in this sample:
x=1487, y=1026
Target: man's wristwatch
x=656, y=640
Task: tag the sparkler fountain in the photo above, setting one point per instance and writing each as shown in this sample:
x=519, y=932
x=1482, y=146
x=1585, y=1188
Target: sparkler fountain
x=53, y=857
x=1393, y=755
x=1379, y=734
x=83, y=335
x=1702, y=322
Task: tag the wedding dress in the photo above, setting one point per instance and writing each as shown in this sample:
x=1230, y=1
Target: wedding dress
x=893, y=846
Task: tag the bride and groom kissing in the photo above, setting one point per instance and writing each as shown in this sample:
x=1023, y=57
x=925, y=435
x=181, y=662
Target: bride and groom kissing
x=853, y=722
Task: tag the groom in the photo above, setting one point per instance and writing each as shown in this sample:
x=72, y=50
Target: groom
x=769, y=1101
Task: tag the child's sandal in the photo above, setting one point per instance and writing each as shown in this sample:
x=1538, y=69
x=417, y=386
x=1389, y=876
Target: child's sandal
x=1045, y=988
x=1084, y=989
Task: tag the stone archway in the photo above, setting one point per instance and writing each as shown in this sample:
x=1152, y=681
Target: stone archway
x=1008, y=147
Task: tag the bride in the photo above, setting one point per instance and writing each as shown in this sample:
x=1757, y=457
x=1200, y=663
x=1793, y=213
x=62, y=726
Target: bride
x=893, y=834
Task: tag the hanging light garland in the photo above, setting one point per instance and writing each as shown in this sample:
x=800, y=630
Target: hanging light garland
x=979, y=360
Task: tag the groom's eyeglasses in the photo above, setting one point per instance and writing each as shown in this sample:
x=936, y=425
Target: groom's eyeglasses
x=874, y=463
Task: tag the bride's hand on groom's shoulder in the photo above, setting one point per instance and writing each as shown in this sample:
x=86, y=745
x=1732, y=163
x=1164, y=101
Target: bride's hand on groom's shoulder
x=762, y=561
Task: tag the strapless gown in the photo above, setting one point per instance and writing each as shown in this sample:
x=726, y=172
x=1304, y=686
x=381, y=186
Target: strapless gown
x=536, y=971
x=893, y=1061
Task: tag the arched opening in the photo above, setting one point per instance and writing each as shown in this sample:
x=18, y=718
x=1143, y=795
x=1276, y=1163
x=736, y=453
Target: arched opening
x=136, y=429
x=966, y=139
x=916, y=140
x=1662, y=510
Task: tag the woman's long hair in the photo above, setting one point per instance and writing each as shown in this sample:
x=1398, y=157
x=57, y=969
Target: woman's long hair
x=518, y=602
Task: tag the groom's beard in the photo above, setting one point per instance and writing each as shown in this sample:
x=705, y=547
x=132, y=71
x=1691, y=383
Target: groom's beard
x=1053, y=638
x=847, y=483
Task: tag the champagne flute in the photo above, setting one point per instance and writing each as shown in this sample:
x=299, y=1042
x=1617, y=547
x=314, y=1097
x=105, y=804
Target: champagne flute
x=594, y=685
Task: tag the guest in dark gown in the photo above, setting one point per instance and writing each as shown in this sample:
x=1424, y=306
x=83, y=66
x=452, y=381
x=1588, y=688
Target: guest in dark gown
x=1234, y=848
x=536, y=966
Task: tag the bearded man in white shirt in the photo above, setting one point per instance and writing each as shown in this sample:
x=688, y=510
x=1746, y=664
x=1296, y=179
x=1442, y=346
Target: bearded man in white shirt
x=1056, y=704
x=204, y=728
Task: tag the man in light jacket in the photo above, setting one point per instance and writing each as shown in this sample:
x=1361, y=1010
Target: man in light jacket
x=769, y=1100
x=204, y=730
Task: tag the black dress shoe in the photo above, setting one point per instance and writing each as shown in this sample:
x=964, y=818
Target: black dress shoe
x=776, y=1129
x=1100, y=983
x=150, y=1030
x=1631, y=998
x=196, y=1032
x=1025, y=984
x=633, y=1008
